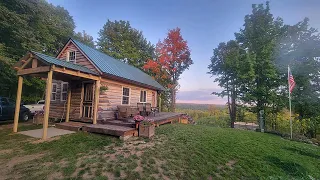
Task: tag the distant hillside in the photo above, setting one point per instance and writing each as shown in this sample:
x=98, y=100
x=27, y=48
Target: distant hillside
x=197, y=106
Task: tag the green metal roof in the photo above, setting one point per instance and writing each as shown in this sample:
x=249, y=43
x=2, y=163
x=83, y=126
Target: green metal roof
x=66, y=64
x=112, y=66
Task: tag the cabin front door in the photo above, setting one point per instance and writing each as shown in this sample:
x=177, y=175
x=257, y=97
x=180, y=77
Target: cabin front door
x=87, y=109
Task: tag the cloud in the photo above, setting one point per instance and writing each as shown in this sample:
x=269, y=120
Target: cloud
x=200, y=96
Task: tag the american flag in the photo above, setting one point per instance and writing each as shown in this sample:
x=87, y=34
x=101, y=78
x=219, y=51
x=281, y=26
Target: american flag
x=291, y=81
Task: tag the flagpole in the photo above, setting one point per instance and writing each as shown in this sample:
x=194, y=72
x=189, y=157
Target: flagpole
x=289, y=102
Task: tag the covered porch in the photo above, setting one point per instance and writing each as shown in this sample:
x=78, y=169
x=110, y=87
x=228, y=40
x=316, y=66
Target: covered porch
x=49, y=68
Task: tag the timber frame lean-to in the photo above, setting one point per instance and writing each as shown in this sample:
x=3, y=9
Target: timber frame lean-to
x=33, y=65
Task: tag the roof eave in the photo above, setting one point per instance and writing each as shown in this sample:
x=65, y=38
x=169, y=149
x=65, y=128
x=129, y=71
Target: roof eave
x=110, y=76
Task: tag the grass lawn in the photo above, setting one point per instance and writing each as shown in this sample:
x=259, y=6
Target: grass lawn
x=176, y=152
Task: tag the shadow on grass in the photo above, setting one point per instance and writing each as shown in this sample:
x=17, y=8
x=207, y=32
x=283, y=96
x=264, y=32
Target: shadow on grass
x=302, y=152
x=290, y=168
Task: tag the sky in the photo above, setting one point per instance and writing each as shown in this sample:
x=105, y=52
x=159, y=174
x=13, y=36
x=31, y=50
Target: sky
x=203, y=23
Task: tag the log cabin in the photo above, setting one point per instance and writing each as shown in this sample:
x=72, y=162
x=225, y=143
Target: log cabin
x=85, y=84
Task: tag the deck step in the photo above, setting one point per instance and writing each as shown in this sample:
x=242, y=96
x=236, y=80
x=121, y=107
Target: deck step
x=117, y=123
x=71, y=126
x=114, y=130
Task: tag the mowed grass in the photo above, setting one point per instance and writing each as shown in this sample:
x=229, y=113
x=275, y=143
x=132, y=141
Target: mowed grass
x=176, y=152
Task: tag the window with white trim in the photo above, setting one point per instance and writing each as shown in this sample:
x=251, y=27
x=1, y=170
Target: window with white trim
x=54, y=92
x=143, y=96
x=64, y=91
x=125, y=95
x=72, y=56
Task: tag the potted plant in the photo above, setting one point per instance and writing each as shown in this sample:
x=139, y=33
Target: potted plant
x=103, y=89
x=137, y=119
x=146, y=128
x=38, y=117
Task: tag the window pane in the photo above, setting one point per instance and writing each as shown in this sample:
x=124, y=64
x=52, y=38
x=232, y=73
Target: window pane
x=141, y=96
x=125, y=100
x=72, y=56
x=64, y=87
x=64, y=96
x=53, y=96
x=126, y=91
x=54, y=88
x=145, y=96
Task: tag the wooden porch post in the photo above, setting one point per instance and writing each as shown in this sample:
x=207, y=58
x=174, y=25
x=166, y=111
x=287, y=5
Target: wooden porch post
x=68, y=104
x=96, y=101
x=159, y=102
x=18, y=104
x=47, y=105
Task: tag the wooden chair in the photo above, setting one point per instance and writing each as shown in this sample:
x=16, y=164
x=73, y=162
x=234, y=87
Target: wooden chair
x=148, y=108
x=140, y=108
x=133, y=110
x=123, y=112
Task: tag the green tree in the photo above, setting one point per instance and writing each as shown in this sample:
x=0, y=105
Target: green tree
x=121, y=41
x=85, y=38
x=298, y=48
x=30, y=25
x=232, y=68
x=259, y=37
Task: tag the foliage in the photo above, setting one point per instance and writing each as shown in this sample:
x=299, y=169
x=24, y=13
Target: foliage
x=29, y=25
x=232, y=68
x=8, y=79
x=173, y=58
x=253, y=69
x=103, y=88
x=222, y=122
x=35, y=25
x=84, y=38
x=121, y=41
x=147, y=122
x=259, y=37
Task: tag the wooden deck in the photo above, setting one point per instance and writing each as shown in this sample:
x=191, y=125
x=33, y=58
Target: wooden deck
x=121, y=128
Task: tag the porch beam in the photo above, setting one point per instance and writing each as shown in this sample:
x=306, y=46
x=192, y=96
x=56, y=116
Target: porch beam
x=68, y=104
x=75, y=73
x=96, y=101
x=26, y=62
x=34, y=70
x=47, y=105
x=18, y=104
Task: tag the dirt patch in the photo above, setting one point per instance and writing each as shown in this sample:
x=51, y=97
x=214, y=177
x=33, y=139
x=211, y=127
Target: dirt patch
x=231, y=163
x=18, y=160
x=55, y=175
x=6, y=151
x=109, y=175
x=38, y=141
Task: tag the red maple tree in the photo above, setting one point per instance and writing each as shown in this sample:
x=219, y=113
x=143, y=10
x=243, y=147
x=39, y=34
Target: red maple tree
x=173, y=57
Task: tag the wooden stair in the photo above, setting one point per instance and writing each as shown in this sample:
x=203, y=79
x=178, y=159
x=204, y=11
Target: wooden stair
x=117, y=123
x=114, y=130
x=117, y=129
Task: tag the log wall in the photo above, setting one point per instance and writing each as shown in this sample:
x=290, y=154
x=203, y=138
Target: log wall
x=58, y=108
x=111, y=98
x=80, y=58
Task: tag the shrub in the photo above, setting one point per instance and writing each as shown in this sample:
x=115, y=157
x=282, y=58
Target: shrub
x=214, y=121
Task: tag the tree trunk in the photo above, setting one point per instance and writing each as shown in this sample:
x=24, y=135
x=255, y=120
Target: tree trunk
x=234, y=108
x=173, y=99
x=259, y=107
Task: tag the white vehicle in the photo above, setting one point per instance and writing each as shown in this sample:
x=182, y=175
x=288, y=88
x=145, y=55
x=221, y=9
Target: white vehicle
x=35, y=107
